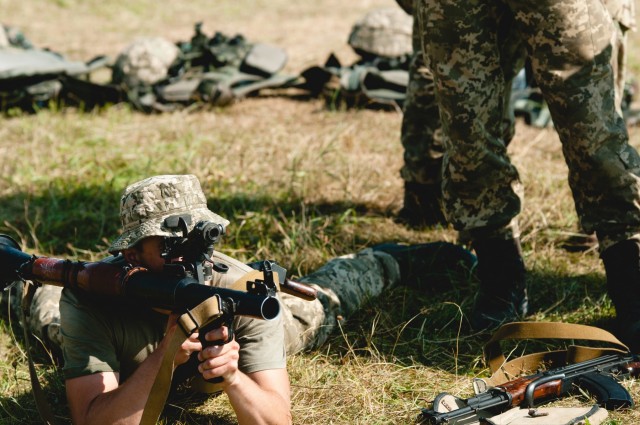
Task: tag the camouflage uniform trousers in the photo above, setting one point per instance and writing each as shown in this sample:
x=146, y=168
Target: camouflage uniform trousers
x=570, y=45
x=623, y=14
x=421, y=134
x=343, y=285
x=43, y=317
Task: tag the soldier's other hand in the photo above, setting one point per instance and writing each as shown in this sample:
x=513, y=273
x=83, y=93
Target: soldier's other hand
x=189, y=346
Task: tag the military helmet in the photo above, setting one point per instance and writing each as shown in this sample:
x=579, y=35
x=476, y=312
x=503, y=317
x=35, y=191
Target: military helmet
x=144, y=62
x=383, y=32
x=145, y=206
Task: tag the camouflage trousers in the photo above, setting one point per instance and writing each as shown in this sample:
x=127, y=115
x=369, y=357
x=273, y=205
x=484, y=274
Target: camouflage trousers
x=570, y=46
x=623, y=14
x=343, y=285
x=421, y=133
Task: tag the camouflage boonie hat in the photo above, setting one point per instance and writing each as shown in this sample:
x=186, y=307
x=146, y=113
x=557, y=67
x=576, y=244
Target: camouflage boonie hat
x=145, y=205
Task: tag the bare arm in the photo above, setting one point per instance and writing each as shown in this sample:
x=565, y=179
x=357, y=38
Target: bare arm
x=99, y=399
x=261, y=397
x=257, y=398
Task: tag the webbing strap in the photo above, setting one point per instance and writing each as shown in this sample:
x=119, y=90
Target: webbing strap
x=188, y=323
x=503, y=370
x=200, y=316
x=42, y=404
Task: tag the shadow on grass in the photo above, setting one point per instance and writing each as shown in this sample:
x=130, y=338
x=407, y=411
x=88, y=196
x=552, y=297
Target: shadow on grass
x=63, y=216
x=411, y=326
x=62, y=213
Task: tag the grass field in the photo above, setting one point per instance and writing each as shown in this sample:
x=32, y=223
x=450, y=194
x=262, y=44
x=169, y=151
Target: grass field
x=300, y=183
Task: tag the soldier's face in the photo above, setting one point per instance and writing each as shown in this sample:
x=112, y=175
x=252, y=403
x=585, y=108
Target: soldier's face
x=149, y=253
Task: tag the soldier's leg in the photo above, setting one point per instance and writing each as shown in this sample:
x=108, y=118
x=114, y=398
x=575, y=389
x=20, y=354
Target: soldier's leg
x=343, y=285
x=573, y=69
x=43, y=318
x=584, y=241
x=481, y=187
x=421, y=133
x=346, y=283
x=575, y=73
x=421, y=138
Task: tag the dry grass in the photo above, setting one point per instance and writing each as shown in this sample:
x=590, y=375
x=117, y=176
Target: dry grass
x=300, y=183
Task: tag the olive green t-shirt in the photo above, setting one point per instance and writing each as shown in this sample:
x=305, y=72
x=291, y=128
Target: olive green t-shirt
x=107, y=335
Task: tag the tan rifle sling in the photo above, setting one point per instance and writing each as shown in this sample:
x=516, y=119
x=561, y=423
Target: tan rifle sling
x=188, y=323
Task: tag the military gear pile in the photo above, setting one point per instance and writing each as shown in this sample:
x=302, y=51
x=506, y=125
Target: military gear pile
x=382, y=39
x=152, y=73
x=206, y=70
x=31, y=78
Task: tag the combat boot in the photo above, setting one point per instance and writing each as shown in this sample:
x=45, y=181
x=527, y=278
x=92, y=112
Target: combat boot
x=431, y=266
x=502, y=296
x=421, y=207
x=622, y=266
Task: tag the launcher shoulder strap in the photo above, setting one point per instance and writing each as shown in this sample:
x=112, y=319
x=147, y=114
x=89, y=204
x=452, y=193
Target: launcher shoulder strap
x=44, y=408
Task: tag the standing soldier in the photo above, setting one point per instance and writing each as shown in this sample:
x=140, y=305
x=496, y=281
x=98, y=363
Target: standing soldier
x=570, y=47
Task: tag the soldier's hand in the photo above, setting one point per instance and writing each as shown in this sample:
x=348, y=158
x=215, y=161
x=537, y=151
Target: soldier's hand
x=220, y=360
x=189, y=346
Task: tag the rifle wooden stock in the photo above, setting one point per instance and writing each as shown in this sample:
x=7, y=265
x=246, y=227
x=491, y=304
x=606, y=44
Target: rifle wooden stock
x=544, y=391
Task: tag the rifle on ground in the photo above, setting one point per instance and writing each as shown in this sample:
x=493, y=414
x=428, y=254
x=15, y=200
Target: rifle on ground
x=598, y=376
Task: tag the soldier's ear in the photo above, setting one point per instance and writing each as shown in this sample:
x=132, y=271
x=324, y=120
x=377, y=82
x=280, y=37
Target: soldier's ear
x=131, y=256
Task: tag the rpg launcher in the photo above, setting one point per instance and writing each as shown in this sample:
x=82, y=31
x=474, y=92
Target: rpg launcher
x=170, y=291
x=597, y=376
x=178, y=288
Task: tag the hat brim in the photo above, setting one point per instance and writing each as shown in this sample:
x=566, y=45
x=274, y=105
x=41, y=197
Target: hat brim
x=155, y=227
